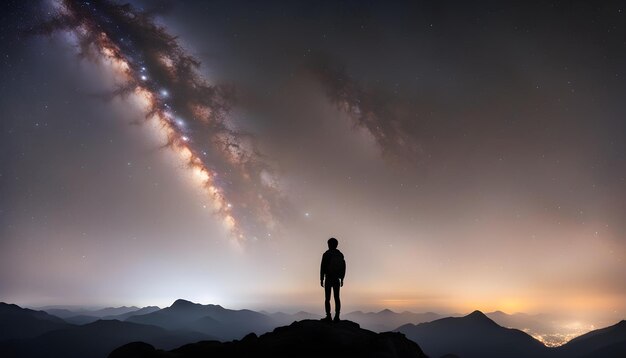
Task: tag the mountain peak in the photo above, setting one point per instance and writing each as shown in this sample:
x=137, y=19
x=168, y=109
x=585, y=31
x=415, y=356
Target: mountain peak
x=477, y=315
x=9, y=306
x=182, y=303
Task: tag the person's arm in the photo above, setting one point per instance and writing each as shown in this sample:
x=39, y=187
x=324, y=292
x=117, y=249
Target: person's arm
x=343, y=271
x=323, y=269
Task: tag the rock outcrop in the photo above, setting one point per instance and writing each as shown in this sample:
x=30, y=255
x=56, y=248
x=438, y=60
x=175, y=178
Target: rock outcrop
x=308, y=338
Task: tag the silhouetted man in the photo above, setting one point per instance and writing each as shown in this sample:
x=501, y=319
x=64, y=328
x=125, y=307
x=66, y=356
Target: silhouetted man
x=333, y=269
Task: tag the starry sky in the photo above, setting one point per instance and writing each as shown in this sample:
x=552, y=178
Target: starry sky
x=466, y=156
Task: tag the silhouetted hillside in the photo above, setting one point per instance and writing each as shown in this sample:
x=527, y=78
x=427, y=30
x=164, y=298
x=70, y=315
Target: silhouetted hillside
x=17, y=322
x=474, y=335
x=213, y=320
x=307, y=338
x=617, y=350
x=605, y=342
x=387, y=320
x=80, y=319
x=94, y=340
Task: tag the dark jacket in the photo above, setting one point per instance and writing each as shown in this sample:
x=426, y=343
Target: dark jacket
x=333, y=265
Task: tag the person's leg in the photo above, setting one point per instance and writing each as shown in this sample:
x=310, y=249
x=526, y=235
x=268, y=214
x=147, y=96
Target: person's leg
x=336, y=287
x=327, y=287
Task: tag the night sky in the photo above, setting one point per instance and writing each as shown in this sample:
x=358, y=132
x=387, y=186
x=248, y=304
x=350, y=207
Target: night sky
x=466, y=155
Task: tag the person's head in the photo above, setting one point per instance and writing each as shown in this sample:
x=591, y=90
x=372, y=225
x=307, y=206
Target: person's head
x=332, y=243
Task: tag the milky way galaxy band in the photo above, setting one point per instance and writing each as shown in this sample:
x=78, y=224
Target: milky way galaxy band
x=193, y=114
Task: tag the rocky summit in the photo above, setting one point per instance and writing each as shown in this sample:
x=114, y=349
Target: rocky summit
x=307, y=338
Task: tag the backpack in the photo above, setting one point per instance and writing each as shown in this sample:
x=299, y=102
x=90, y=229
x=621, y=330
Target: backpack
x=336, y=266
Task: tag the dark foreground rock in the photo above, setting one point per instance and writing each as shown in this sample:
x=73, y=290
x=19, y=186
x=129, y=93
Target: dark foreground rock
x=306, y=338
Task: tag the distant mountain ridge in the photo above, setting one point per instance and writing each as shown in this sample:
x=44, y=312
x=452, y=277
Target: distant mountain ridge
x=83, y=316
x=548, y=329
x=26, y=333
x=140, y=311
x=213, y=320
x=284, y=319
x=100, y=313
x=387, y=320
